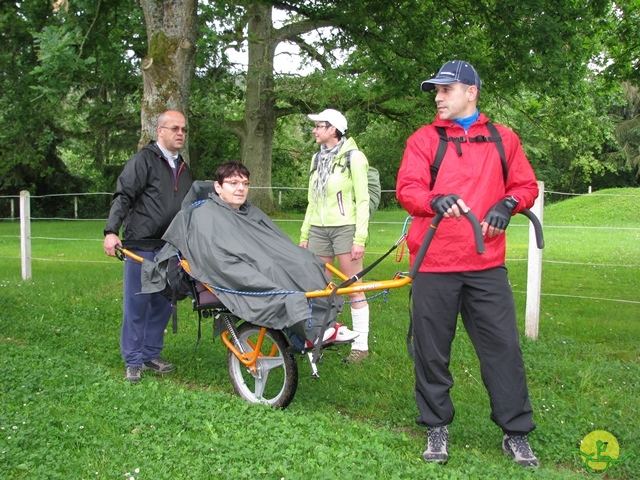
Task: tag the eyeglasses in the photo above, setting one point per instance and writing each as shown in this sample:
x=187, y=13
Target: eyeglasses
x=235, y=184
x=322, y=126
x=176, y=129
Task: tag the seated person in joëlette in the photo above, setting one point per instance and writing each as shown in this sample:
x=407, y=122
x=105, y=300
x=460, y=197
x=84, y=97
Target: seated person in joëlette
x=261, y=274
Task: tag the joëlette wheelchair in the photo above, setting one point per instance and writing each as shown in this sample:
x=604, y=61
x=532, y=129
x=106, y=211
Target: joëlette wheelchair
x=262, y=361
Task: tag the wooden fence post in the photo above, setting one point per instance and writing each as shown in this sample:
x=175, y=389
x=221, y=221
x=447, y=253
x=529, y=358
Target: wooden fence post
x=25, y=234
x=534, y=272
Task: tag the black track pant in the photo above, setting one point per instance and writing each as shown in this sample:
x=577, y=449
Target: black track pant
x=485, y=302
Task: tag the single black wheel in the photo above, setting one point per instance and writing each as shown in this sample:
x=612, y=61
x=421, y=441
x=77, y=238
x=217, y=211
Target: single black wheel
x=275, y=379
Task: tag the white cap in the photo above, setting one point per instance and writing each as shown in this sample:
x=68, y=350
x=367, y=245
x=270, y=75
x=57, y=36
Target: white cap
x=334, y=117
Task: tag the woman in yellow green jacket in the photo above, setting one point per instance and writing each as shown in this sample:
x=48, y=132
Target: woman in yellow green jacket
x=337, y=217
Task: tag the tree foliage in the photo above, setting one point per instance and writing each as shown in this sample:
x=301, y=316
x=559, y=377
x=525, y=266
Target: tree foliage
x=627, y=129
x=524, y=50
x=74, y=91
x=620, y=52
x=70, y=83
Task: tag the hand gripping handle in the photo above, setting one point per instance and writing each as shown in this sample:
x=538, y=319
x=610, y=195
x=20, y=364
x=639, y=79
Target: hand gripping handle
x=121, y=253
x=477, y=233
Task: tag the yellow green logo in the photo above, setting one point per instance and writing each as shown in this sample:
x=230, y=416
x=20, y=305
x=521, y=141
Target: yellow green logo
x=600, y=451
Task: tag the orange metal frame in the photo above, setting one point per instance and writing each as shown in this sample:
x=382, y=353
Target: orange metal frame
x=249, y=359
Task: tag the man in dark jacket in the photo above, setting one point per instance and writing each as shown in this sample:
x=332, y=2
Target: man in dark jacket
x=453, y=279
x=149, y=194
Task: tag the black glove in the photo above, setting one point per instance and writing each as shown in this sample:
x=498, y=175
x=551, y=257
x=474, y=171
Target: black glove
x=500, y=214
x=441, y=203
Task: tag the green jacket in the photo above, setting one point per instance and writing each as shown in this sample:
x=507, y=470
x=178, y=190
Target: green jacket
x=347, y=198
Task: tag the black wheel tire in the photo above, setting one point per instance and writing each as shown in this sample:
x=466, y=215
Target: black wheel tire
x=276, y=379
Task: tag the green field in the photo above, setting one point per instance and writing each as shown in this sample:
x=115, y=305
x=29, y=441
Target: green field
x=66, y=412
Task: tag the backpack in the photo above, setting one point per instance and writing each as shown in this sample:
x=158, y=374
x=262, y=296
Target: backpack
x=444, y=140
x=179, y=284
x=373, y=180
x=178, y=287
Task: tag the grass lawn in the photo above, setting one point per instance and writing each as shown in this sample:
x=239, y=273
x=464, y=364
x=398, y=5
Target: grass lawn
x=65, y=411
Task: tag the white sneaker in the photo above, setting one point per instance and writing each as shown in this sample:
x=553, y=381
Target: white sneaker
x=327, y=333
x=338, y=334
x=342, y=335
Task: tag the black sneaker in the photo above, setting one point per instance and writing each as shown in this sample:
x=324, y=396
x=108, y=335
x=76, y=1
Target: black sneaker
x=159, y=365
x=437, y=439
x=518, y=448
x=133, y=373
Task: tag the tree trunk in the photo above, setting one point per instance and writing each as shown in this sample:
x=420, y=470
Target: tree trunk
x=168, y=68
x=259, y=122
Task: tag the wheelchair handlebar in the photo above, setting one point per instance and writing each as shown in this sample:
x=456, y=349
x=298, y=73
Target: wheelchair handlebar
x=537, y=227
x=121, y=253
x=477, y=233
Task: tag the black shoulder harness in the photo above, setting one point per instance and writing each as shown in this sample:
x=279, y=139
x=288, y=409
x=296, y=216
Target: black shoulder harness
x=444, y=141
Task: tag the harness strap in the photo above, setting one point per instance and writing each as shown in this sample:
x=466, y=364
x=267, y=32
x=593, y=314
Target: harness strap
x=347, y=163
x=444, y=141
x=362, y=273
x=442, y=149
x=498, y=141
x=410, y=348
x=174, y=316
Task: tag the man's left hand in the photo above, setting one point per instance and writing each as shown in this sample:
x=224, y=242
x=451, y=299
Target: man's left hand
x=498, y=218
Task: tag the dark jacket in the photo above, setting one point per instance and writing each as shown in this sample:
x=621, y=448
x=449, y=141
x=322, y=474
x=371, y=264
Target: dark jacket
x=147, y=198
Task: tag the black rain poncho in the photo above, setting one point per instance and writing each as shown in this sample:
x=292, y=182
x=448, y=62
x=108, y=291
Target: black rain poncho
x=245, y=251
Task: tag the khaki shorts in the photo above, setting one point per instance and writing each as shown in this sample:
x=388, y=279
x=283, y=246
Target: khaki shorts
x=331, y=241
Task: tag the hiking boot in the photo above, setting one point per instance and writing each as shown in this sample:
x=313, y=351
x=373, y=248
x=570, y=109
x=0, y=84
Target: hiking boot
x=159, y=365
x=518, y=448
x=437, y=439
x=356, y=356
x=339, y=334
x=133, y=373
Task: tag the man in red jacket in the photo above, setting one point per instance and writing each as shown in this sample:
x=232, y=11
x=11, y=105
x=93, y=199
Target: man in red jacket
x=453, y=278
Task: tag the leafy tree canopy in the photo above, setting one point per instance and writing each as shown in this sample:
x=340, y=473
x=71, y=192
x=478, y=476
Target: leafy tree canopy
x=72, y=84
x=70, y=81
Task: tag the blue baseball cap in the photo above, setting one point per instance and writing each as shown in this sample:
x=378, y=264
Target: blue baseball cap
x=452, y=72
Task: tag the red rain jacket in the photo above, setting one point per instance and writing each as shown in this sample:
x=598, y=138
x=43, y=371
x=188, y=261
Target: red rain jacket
x=476, y=177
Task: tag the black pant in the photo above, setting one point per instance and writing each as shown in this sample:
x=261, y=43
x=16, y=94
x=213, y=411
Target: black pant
x=485, y=301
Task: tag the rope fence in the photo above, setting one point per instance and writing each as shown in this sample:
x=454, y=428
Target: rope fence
x=95, y=206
